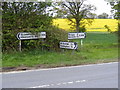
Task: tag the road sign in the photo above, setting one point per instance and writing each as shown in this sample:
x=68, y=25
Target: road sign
x=79, y=35
x=29, y=35
x=68, y=45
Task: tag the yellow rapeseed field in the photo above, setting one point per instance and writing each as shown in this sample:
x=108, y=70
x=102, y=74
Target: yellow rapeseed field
x=97, y=25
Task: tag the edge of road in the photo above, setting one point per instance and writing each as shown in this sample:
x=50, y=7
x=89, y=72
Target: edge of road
x=56, y=68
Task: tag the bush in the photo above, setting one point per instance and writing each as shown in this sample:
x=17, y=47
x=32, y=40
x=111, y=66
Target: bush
x=54, y=36
x=108, y=28
x=51, y=42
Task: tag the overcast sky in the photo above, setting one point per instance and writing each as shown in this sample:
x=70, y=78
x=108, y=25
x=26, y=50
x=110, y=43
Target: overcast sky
x=101, y=6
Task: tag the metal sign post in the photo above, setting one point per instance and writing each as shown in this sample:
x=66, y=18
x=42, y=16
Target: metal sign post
x=69, y=45
x=20, y=45
x=28, y=35
x=77, y=35
x=81, y=42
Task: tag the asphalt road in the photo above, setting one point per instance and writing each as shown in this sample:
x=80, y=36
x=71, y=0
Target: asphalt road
x=85, y=76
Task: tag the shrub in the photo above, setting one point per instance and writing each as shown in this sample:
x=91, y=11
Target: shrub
x=54, y=36
x=107, y=27
x=51, y=42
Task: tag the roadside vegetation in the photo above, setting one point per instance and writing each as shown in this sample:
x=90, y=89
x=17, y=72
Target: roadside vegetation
x=97, y=48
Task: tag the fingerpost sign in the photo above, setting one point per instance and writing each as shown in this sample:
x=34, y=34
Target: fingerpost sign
x=77, y=35
x=68, y=45
x=28, y=35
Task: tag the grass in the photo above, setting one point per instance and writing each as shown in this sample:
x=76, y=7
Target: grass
x=100, y=38
x=97, y=48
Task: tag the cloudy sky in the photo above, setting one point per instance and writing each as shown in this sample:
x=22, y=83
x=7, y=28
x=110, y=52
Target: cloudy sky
x=101, y=6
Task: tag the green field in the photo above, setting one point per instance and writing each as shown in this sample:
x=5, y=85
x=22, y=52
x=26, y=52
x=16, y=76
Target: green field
x=97, y=48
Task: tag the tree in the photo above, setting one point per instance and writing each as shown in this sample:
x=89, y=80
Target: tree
x=76, y=10
x=20, y=17
x=116, y=7
x=115, y=4
x=103, y=16
x=117, y=16
x=23, y=14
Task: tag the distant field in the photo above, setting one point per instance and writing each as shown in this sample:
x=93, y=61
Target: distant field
x=97, y=25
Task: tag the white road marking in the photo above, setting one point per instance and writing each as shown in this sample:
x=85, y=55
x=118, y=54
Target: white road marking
x=64, y=83
x=77, y=81
x=41, y=86
x=80, y=81
x=83, y=81
x=56, y=68
x=69, y=82
x=57, y=84
x=52, y=85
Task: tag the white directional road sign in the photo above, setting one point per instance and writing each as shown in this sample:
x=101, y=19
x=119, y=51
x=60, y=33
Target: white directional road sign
x=79, y=35
x=29, y=35
x=68, y=45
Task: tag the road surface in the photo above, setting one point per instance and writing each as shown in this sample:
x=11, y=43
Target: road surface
x=84, y=76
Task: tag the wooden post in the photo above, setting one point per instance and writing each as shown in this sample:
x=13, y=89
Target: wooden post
x=20, y=44
x=42, y=43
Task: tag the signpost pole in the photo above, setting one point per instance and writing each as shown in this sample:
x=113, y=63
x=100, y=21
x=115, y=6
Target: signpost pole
x=63, y=50
x=42, y=43
x=20, y=45
x=73, y=51
x=81, y=42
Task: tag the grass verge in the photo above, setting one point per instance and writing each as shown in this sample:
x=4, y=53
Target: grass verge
x=97, y=48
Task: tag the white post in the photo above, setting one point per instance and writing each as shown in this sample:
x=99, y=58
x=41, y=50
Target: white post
x=20, y=46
